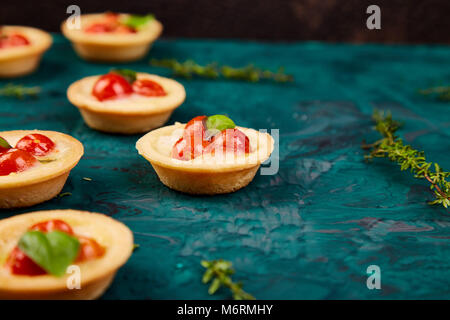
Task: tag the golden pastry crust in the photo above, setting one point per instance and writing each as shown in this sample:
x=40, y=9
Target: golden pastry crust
x=132, y=114
x=204, y=174
x=96, y=275
x=22, y=60
x=111, y=46
x=44, y=180
x=202, y=183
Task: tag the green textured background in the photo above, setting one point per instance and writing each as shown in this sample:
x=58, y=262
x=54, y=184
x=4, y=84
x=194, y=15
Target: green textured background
x=308, y=232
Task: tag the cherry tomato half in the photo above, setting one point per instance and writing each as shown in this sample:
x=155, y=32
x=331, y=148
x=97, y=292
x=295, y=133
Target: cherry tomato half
x=37, y=144
x=230, y=140
x=193, y=141
x=19, y=263
x=111, y=86
x=110, y=23
x=100, y=28
x=14, y=40
x=15, y=160
x=89, y=250
x=124, y=29
x=148, y=88
x=52, y=225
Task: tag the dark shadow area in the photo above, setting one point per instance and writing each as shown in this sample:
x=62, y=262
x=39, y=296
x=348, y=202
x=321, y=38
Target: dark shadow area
x=412, y=21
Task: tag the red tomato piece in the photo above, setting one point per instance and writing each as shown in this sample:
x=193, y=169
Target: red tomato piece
x=89, y=250
x=193, y=141
x=112, y=17
x=179, y=150
x=230, y=140
x=15, y=160
x=13, y=40
x=109, y=24
x=195, y=126
x=52, y=225
x=124, y=29
x=99, y=28
x=19, y=263
x=37, y=144
x=148, y=88
x=111, y=86
x=108, y=28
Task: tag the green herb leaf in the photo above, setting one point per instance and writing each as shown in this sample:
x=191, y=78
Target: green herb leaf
x=219, y=122
x=207, y=276
x=136, y=246
x=4, y=144
x=190, y=68
x=393, y=148
x=53, y=251
x=220, y=271
x=64, y=194
x=137, y=21
x=442, y=92
x=129, y=75
x=19, y=91
x=215, y=285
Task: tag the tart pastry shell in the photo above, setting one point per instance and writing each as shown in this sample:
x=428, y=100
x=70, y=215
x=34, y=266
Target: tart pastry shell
x=96, y=275
x=36, y=185
x=201, y=183
x=126, y=115
x=22, y=60
x=203, y=176
x=105, y=47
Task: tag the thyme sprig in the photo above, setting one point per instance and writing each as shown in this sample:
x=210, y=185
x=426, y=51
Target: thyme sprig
x=190, y=68
x=220, y=271
x=392, y=147
x=442, y=92
x=64, y=194
x=19, y=91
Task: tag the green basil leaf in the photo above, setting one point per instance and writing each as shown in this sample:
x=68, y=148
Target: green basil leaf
x=129, y=75
x=36, y=246
x=65, y=249
x=4, y=143
x=136, y=21
x=53, y=251
x=219, y=122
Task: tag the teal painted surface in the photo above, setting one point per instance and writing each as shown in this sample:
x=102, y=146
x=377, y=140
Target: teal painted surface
x=308, y=232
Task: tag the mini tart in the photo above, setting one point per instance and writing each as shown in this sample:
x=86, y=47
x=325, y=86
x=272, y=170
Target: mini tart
x=96, y=275
x=22, y=60
x=111, y=47
x=43, y=181
x=128, y=115
x=204, y=174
